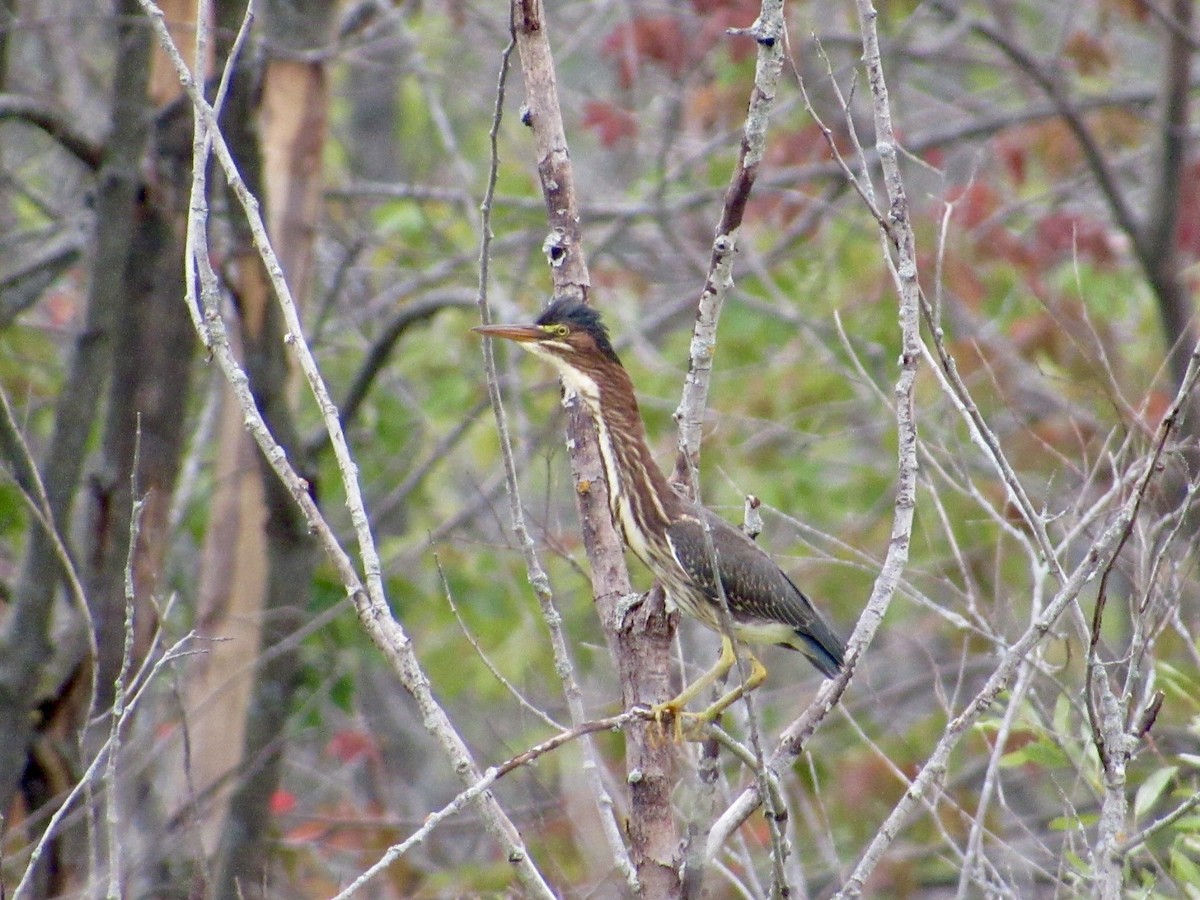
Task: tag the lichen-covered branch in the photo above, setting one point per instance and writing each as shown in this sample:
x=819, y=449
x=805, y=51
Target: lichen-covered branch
x=899, y=248
x=564, y=664
x=366, y=592
x=768, y=32
x=638, y=631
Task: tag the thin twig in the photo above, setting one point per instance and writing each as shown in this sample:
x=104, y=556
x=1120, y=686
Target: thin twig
x=112, y=794
x=904, y=271
x=88, y=778
x=538, y=579
x=367, y=593
x=482, y=654
x=1136, y=840
x=33, y=492
x=487, y=779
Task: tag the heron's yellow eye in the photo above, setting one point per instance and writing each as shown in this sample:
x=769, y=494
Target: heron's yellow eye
x=560, y=331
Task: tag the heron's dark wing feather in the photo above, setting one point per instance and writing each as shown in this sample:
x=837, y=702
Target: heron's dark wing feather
x=756, y=589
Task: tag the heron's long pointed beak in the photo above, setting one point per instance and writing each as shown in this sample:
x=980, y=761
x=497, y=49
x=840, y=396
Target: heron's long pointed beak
x=522, y=334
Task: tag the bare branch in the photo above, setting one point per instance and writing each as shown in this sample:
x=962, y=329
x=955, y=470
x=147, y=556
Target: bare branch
x=474, y=791
x=768, y=32
x=367, y=594
x=904, y=272
x=538, y=579
x=56, y=123
x=638, y=633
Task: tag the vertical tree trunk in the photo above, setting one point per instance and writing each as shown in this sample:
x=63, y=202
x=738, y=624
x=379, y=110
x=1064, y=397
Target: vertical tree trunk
x=152, y=355
x=25, y=645
x=141, y=452
x=640, y=636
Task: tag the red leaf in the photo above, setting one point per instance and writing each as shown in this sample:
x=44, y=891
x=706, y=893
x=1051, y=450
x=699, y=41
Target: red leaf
x=974, y=204
x=747, y=10
x=1187, y=232
x=719, y=15
x=351, y=744
x=282, y=802
x=1013, y=156
x=677, y=42
x=935, y=156
x=1088, y=53
x=657, y=39
x=1138, y=10
x=1062, y=235
x=611, y=123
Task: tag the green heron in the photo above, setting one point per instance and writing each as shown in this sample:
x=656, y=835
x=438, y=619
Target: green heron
x=664, y=529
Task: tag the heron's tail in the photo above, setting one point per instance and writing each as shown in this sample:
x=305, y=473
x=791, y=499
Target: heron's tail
x=823, y=648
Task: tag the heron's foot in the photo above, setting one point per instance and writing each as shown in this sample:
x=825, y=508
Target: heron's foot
x=684, y=725
x=668, y=714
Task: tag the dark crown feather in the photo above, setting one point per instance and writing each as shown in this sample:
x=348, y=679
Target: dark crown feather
x=578, y=316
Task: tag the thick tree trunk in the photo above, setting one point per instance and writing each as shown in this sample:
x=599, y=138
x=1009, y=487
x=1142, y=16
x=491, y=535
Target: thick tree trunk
x=25, y=644
x=152, y=355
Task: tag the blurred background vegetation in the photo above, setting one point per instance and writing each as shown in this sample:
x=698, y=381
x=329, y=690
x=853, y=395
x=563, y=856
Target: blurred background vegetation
x=281, y=755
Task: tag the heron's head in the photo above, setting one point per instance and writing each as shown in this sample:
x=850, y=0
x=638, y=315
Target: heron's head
x=570, y=335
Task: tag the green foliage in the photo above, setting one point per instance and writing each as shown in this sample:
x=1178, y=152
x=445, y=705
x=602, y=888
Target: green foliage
x=1040, y=752
x=1152, y=789
x=30, y=370
x=1051, y=326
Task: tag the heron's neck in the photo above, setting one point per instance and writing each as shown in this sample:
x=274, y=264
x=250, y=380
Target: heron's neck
x=636, y=485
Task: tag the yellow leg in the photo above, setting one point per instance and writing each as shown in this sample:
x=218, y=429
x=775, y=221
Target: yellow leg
x=758, y=674
x=674, y=708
